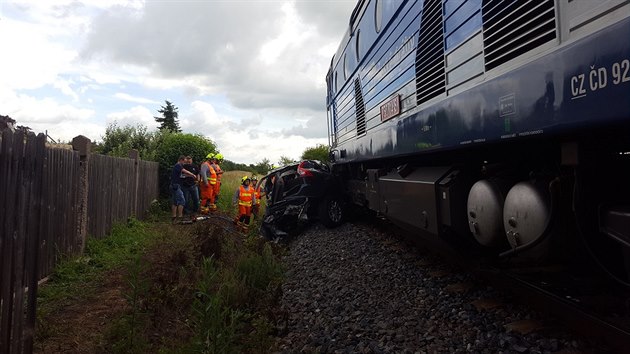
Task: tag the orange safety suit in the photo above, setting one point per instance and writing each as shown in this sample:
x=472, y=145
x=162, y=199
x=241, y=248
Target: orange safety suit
x=256, y=207
x=207, y=191
x=245, y=198
x=219, y=172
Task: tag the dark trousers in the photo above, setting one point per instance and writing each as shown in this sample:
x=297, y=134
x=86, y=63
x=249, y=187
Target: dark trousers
x=191, y=194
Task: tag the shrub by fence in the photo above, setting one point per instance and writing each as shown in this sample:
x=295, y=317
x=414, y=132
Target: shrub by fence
x=51, y=199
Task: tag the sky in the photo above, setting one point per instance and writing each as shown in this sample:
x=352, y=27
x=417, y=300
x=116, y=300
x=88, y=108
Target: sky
x=249, y=75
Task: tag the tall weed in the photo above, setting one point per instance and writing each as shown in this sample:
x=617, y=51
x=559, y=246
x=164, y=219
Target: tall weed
x=217, y=324
x=125, y=333
x=261, y=341
x=259, y=270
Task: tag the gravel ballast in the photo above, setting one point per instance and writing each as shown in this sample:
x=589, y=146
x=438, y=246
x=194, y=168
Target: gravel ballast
x=356, y=289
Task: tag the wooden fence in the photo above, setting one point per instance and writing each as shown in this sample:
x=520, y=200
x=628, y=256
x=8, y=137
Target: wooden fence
x=20, y=226
x=117, y=189
x=51, y=199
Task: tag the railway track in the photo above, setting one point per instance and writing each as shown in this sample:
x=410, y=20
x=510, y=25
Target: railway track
x=591, y=307
x=364, y=288
x=588, y=303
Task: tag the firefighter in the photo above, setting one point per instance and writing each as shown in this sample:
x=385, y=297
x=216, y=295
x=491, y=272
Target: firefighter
x=246, y=198
x=208, y=182
x=257, y=194
x=217, y=159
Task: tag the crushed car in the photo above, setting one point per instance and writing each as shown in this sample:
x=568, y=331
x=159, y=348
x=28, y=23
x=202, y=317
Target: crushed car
x=299, y=193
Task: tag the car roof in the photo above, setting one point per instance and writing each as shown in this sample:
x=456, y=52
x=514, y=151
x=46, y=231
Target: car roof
x=281, y=169
x=292, y=166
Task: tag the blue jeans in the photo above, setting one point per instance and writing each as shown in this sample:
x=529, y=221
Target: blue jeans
x=191, y=194
x=177, y=194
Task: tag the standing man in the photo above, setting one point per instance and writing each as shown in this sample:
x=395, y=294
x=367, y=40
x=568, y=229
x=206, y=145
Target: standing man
x=208, y=181
x=257, y=195
x=246, y=198
x=177, y=194
x=189, y=186
x=218, y=158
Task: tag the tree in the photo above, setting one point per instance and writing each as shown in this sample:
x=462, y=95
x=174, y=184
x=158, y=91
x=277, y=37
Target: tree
x=285, y=161
x=228, y=165
x=118, y=141
x=319, y=152
x=168, y=121
x=262, y=167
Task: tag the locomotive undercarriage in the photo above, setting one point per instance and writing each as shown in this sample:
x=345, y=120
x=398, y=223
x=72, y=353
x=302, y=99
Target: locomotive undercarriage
x=563, y=204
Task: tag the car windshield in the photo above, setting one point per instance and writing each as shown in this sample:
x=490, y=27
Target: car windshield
x=267, y=182
x=320, y=165
x=314, y=165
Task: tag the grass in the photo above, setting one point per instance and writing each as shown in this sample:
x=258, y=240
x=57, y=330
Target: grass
x=234, y=295
x=78, y=277
x=186, y=288
x=230, y=182
x=216, y=322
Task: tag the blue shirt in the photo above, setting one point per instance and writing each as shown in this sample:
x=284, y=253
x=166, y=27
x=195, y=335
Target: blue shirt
x=176, y=173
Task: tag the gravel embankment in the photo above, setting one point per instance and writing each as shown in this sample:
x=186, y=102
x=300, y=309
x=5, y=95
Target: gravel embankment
x=355, y=289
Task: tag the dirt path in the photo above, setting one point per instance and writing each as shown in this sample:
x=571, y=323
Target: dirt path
x=80, y=327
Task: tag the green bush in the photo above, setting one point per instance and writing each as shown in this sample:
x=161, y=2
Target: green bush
x=319, y=152
x=118, y=141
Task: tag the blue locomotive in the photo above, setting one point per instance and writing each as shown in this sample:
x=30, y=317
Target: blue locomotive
x=497, y=127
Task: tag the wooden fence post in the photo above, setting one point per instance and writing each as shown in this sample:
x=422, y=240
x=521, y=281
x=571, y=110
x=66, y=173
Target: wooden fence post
x=135, y=156
x=82, y=145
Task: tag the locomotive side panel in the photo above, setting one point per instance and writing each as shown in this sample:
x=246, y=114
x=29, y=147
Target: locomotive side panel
x=502, y=126
x=561, y=87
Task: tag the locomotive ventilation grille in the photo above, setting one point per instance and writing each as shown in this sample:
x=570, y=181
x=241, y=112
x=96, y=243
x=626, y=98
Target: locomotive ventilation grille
x=513, y=27
x=359, y=106
x=430, y=70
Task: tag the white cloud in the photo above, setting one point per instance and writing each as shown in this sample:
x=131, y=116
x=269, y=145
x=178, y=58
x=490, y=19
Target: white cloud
x=72, y=66
x=204, y=119
x=248, y=137
x=293, y=32
x=130, y=98
x=62, y=121
x=268, y=56
x=138, y=115
x=66, y=130
x=312, y=128
x=64, y=87
x=27, y=109
x=242, y=147
x=30, y=60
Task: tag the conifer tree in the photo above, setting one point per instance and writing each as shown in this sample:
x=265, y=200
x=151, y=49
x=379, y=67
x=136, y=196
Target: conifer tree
x=168, y=120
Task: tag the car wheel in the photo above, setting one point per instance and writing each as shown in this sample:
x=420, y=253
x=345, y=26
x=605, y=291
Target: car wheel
x=331, y=211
